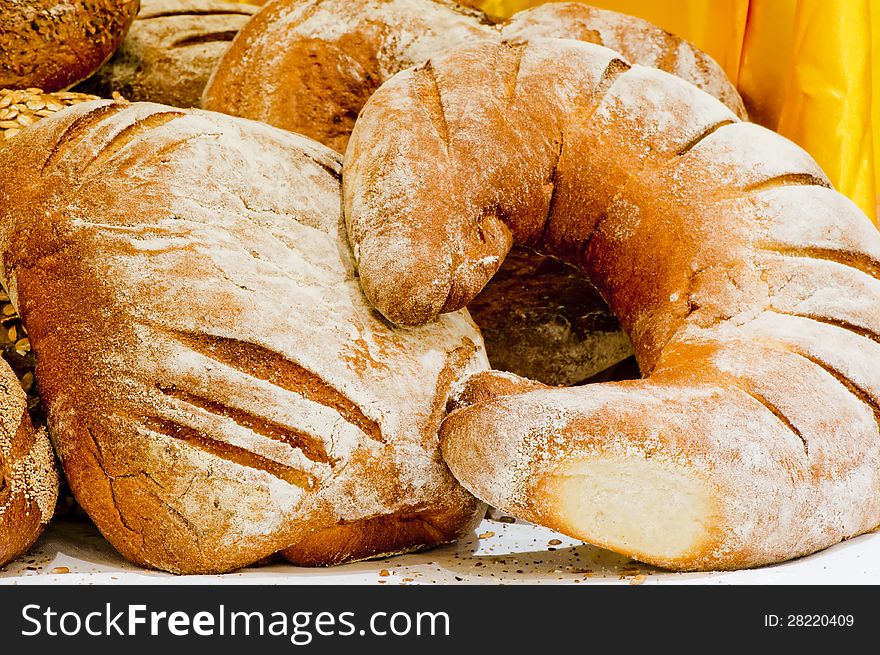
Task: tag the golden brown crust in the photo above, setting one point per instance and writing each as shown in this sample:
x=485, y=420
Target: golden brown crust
x=226, y=393
x=749, y=287
x=338, y=52
x=335, y=55
x=639, y=41
x=378, y=536
x=53, y=44
x=488, y=385
x=170, y=51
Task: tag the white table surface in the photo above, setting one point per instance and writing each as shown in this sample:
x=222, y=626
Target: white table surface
x=498, y=552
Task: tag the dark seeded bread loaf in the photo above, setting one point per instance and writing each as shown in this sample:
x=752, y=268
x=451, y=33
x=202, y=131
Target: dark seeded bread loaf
x=53, y=44
x=170, y=51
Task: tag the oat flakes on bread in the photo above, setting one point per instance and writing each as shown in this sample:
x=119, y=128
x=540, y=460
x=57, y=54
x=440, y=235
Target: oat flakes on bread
x=750, y=289
x=170, y=51
x=227, y=392
x=20, y=108
x=53, y=44
x=309, y=67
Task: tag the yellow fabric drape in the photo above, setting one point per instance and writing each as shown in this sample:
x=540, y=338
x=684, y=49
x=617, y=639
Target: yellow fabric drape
x=805, y=68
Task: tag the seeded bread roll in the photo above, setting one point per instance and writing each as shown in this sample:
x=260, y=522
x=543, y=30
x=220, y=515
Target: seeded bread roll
x=750, y=289
x=309, y=67
x=53, y=44
x=227, y=392
x=170, y=51
x=28, y=478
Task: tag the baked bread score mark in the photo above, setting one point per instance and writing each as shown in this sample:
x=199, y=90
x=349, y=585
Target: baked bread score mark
x=170, y=51
x=749, y=288
x=538, y=317
x=227, y=392
x=53, y=44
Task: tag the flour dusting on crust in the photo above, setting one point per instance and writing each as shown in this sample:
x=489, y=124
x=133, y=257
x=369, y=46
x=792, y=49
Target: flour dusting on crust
x=231, y=391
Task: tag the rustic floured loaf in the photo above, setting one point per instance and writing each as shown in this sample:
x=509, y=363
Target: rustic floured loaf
x=309, y=66
x=28, y=477
x=170, y=51
x=748, y=285
x=53, y=44
x=227, y=392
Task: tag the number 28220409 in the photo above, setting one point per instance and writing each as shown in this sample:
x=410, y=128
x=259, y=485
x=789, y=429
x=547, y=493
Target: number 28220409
x=808, y=620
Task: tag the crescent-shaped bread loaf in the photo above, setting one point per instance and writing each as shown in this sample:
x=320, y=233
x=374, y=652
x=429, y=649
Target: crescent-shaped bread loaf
x=217, y=386
x=748, y=285
x=309, y=67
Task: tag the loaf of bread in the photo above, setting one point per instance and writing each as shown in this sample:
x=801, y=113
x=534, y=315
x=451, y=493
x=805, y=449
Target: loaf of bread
x=28, y=477
x=226, y=392
x=53, y=44
x=748, y=285
x=170, y=51
x=309, y=66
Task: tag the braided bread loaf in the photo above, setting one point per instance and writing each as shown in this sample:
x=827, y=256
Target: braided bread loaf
x=335, y=53
x=748, y=285
x=226, y=392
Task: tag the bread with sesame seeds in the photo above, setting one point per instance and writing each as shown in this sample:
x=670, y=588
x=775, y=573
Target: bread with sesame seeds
x=28, y=477
x=217, y=386
x=749, y=287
